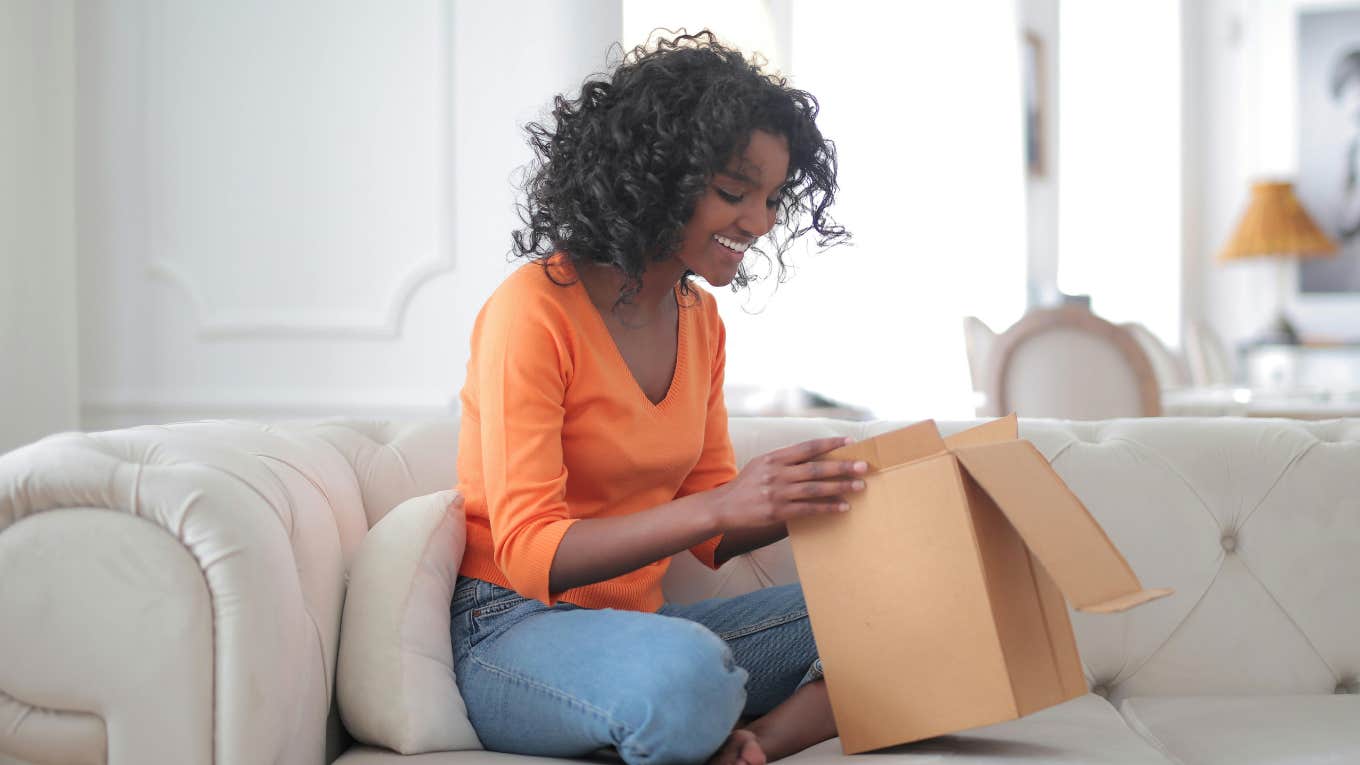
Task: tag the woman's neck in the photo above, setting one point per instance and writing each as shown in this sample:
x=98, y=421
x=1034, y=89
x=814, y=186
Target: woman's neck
x=653, y=301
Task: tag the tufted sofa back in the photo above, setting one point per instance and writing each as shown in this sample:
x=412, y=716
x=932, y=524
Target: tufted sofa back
x=1255, y=523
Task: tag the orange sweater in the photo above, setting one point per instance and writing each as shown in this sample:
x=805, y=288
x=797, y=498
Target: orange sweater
x=555, y=429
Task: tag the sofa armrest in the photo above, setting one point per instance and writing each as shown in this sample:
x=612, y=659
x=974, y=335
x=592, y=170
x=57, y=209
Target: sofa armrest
x=151, y=601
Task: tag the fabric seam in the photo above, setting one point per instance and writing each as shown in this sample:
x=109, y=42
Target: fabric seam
x=1135, y=724
x=769, y=623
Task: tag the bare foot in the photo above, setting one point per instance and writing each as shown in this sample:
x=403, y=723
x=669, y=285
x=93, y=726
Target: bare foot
x=741, y=748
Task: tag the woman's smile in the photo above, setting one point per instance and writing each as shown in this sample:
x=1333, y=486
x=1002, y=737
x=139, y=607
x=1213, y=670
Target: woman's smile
x=731, y=248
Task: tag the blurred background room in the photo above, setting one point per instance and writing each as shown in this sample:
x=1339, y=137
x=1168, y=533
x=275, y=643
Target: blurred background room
x=1066, y=208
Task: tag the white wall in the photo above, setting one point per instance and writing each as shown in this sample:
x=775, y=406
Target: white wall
x=1241, y=115
x=1041, y=191
x=1119, y=235
x=297, y=210
x=1222, y=154
x=37, y=214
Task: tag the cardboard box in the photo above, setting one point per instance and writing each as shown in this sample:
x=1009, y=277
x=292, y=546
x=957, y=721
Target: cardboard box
x=937, y=601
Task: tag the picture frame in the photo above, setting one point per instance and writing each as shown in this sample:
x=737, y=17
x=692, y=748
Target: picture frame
x=1328, y=185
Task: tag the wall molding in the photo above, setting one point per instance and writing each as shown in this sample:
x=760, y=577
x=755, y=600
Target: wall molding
x=383, y=323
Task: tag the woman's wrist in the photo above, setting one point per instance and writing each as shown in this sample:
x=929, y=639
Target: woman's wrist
x=715, y=505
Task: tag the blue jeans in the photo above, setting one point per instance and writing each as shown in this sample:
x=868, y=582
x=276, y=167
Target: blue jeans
x=662, y=688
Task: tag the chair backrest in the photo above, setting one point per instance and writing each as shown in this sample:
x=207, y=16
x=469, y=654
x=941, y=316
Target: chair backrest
x=1070, y=364
x=1170, y=368
x=978, y=339
x=1207, y=358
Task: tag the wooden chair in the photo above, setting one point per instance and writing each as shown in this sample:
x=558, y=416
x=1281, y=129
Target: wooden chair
x=1068, y=363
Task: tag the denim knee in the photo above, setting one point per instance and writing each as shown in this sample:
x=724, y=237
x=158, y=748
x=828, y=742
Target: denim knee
x=682, y=708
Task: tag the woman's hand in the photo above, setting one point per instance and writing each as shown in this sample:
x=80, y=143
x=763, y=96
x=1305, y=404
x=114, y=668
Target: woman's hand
x=789, y=483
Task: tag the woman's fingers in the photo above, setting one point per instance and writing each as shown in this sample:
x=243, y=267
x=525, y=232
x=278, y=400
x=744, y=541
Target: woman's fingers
x=812, y=490
x=792, y=455
x=822, y=470
x=807, y=507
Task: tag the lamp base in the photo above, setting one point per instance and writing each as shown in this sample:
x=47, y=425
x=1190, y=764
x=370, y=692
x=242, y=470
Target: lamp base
x=1278, y=332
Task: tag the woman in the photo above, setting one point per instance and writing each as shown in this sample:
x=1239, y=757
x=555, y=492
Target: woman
x=594, y=440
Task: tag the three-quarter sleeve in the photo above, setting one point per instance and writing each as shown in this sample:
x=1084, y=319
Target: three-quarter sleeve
x=717, y=463
x=522, y=380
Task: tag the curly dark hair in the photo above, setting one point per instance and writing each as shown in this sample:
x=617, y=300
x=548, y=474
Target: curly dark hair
x=619, y=169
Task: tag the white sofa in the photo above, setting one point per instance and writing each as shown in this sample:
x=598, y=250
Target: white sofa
x=173, y=594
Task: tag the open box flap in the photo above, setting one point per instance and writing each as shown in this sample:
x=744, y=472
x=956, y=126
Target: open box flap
x=1003, y=429
x=893, y=448
x=1056, y=527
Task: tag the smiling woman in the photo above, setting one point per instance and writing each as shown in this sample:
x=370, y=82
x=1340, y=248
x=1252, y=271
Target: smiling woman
x=594, y=443
x=621, y=168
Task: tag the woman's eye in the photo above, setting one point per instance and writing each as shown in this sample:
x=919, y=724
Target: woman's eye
x=728, y=196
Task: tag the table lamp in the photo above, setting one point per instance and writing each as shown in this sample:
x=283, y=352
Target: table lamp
x=1276, y=225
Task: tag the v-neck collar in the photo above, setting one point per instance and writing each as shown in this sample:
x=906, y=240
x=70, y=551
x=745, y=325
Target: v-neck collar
x=596, y=320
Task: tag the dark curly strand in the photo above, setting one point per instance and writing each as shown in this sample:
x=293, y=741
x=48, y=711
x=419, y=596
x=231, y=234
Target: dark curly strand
x=617, y=174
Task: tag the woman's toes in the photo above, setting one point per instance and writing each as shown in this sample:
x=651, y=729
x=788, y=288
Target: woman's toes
x=751, y=753
x=741, y=748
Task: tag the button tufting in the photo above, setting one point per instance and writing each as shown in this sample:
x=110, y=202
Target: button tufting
x=1101, y=690
x=1347, y=686
x=1229, y=542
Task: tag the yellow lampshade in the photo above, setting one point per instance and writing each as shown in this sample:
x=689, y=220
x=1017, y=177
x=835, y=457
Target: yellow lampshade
x=1276, y=224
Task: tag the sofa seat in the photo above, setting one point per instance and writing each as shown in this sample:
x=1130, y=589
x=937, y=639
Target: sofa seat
x=1250, y=730
x=1084, y=731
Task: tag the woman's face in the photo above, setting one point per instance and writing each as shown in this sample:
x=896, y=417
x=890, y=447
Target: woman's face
x=737, y=208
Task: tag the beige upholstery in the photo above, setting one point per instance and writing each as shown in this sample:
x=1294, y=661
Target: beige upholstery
x=172, y=594
x=1251, y=730
x=1068, y=363
x=1082, y=732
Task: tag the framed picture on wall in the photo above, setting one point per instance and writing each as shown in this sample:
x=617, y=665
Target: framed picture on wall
x=1329, y=144
x=1032, y=61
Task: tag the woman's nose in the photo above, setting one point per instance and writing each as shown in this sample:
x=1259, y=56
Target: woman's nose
x=756, y=220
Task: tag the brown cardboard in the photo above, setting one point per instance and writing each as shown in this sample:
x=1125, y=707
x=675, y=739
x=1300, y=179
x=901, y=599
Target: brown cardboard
x=937, y=602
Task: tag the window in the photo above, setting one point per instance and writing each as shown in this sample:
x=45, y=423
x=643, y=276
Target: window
x=1119, y=225
x=923, y=102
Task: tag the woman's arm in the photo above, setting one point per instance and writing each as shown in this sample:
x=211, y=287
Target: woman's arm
x=787, y=483
x=739, y=542
x=596, y=549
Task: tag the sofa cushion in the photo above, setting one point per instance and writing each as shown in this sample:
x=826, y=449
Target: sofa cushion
x=1083, y=731
x=395, y=679
x=1250, y=730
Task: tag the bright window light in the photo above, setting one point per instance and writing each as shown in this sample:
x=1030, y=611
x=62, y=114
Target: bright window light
x=1119, y=226
x=923, y=102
